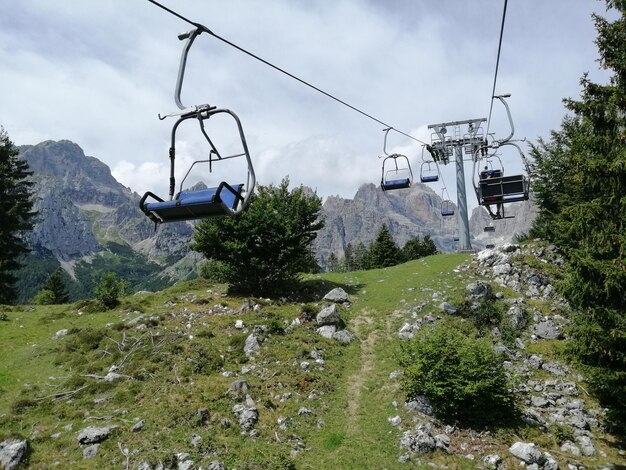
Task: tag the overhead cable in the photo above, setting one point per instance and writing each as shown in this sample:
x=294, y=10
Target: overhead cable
x=283, y=71
x=495, y=76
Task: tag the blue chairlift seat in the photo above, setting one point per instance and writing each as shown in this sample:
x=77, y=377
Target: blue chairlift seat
x=429, y=178
x=396, y=184
x=489, y=228
x=188, y=205
x=447, y=212
x=490, y=246
x=456, y=239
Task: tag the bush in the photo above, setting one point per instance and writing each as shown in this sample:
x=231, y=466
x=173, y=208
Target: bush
x=268, y=245
x=214, y=270
x=462, y=376
x=44, y=297
x=109, y=289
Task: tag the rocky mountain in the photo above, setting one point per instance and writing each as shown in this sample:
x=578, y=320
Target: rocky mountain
x=409, y=213
x=88, y=222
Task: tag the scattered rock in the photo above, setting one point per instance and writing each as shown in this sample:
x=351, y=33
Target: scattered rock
x=90, y=451
x=528, y=452
x=12, y=451
x=555, y=368
x=493, y=461
x=329, y=316
x=420, y=404
x=343, y=336
x=327, y=331
x=94, y=435
x=247, y=414
x=419, y=441
x=239, y=325
x=447, y=308
x=571, y=448
x=547, y=329
x=138, y=426
x=251, y=346
x=60, y=333
x=395, y=420
x=337, y=295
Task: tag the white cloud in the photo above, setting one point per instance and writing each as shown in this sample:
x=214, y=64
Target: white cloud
x=98, y=73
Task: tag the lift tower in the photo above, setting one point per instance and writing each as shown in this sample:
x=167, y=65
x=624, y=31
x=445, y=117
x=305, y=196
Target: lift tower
x=443, y=146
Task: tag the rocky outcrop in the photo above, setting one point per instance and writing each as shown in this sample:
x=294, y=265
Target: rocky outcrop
x=408, y=213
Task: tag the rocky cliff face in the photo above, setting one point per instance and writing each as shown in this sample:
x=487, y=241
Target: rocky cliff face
x=408, y=213
x=82, y=209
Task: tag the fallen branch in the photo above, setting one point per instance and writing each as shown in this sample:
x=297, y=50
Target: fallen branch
x=63, y=395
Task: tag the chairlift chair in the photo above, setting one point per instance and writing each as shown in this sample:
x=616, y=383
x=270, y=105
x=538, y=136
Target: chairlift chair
x=447, y=207
x=427, y=174
x=398, y=176
x=226, y=198
x=491, y=185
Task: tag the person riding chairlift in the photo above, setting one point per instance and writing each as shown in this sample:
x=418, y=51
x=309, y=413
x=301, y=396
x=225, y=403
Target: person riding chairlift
x=489, y=173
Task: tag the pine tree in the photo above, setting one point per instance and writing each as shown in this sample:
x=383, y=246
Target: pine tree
x=56, y=285
x=268, y=245
x=361, y=257
x=417, y=247
x=16, y=203
x=580, y=184
x=384, y=251
x=333, y=263
x=348, y=258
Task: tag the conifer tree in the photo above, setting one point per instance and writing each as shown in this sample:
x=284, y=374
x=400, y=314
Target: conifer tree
x=361, y=257
x=580, y=184
x=16, y=203
x=266, y=247
x=384, y=251
x=56, y=285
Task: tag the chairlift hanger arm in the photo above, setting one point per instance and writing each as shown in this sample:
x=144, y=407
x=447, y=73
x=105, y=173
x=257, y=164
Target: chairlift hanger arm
x=508, y=112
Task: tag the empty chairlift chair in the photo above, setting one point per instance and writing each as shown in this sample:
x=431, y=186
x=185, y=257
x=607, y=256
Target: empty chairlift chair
x=428, y=174
x=447, y=207
x=397, y=175
x=227, y=196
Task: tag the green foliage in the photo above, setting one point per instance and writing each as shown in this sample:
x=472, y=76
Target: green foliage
x=418, y=247
x=269, y=244
x=580, y=184
x=361, y=257
x=384, y=252
x=214, y=270
x=462, y=376
x=16, y=203
x=109, y=289
x=56, y=285
x=44, y=297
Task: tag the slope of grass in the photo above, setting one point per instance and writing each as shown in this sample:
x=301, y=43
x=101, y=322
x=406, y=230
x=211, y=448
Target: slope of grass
x=184, y=352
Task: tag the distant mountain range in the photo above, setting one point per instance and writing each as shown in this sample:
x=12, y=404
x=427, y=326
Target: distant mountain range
x=89, y=223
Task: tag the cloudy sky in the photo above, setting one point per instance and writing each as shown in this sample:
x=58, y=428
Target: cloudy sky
x=98, y=72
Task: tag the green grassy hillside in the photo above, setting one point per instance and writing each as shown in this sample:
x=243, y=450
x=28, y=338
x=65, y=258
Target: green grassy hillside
x=178, y=351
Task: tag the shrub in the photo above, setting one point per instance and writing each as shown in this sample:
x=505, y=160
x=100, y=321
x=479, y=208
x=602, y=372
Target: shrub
x=44, y=297
x=214, y=270
x=462, y=376
x=109, y=289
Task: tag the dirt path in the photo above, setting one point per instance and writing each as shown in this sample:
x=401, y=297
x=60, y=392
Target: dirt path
x=355, y=383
